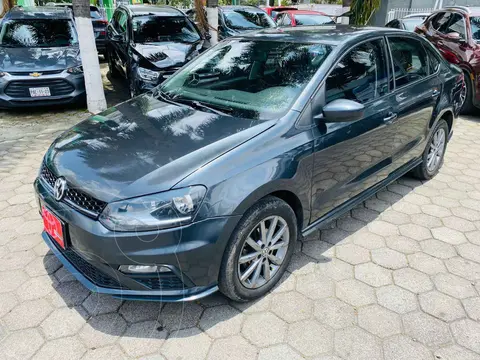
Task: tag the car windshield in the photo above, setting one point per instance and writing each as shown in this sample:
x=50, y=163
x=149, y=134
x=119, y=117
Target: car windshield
x=241, y=19
x=37, y=33
x=312, y=19
x=475, y=25
x=95, y=13
x=248, y=78
x=152, y=29
x=411, y=23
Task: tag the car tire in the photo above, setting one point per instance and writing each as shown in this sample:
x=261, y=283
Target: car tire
x=111, y=67
x=468, y=107
x=434, y=153
x=234, y=281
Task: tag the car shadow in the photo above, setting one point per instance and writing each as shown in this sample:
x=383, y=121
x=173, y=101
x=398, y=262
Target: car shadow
x=216, y=315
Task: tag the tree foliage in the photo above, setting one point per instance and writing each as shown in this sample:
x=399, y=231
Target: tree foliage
x=362, y=10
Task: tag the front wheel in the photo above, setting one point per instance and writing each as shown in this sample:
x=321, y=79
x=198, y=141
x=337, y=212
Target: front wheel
x=434, y=153
x=259, y=250
x=466, y=96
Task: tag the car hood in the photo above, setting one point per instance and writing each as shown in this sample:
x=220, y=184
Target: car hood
x=144, y=146
x=39, y=59
x=168, y=54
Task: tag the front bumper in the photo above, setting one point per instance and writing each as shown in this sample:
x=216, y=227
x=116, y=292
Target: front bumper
x=71, y=90
x=193, y=253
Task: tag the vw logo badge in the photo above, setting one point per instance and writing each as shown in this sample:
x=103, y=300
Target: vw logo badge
x=60, y=188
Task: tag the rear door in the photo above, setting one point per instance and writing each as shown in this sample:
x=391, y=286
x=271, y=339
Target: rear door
x=417, y=90
x=350, y=157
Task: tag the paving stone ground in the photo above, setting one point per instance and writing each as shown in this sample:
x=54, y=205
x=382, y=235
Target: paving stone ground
x=402, y=282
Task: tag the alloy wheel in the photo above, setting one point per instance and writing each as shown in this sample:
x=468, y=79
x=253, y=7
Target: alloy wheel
x=435, y=152
x=463, y=95
x=263, y=252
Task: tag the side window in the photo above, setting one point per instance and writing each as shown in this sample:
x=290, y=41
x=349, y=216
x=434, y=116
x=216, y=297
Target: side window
x=440, y=21
x=286, y=20
x=433, y=62
x=457, y=24
x=361, y=75
x=409, y=60
x=280, y=19
x=121, y=22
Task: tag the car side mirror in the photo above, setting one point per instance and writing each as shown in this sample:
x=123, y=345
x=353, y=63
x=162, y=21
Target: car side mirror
x=341, y=110
x=117, y=38
x=207, y=36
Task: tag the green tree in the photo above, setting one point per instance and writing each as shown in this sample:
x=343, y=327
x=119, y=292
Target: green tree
x=361, y=11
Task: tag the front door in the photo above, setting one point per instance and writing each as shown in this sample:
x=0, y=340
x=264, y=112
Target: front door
x=352, y=156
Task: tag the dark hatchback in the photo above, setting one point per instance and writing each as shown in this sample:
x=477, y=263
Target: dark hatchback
x=146, y=44
x=205, y=183
x=39, y=58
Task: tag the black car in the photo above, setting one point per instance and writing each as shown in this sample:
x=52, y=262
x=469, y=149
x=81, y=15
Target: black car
x=40, y=60
x=99, y=26
x=236, y=19
x=147, y=44
x=205, y=183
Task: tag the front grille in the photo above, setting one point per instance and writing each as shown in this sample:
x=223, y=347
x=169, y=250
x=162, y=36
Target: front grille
x=26, y=73
x=89, y=271
x=162, y=282
x=76, y=198
x=20, y=88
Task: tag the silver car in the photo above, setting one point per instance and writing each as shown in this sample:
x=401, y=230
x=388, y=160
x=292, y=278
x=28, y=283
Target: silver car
x=39, y=58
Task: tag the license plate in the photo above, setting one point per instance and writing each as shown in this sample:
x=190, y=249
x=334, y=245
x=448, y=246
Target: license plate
x=53, y=227
x=39, y=91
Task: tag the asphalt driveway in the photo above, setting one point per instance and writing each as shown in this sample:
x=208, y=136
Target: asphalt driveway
x=398, y=278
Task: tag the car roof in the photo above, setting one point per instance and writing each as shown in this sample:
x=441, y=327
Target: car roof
x=240, y=7
x=304, y=12
x=323, y=34
x=39, y=12
x=160, y=10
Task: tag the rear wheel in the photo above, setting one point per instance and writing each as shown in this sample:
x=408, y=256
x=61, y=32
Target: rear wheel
x=259, y=250
x=434, y=153
x=467, y=96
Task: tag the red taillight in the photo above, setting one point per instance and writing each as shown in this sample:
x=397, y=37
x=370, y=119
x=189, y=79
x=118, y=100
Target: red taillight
x=103, y=32
x=105, y=22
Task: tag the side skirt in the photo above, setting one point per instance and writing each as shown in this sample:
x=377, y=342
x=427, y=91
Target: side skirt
x=348, y=205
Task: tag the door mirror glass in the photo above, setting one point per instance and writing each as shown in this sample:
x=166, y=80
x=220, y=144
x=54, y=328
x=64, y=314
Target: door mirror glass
x=342, y=110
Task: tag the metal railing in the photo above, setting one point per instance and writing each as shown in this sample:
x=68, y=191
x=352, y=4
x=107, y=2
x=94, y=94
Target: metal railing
x=400, y=13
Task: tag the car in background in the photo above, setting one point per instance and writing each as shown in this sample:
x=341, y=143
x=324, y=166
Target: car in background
x=455, y=32
x=208, y=182
x=409, y=22
x=234, y=20
x=273, y=11
x=99, y=26
x=303, y=18
x=146, y=44
x=40, y=60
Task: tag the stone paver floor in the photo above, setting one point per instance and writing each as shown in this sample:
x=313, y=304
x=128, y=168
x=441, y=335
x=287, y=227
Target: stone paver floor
x=398, y=278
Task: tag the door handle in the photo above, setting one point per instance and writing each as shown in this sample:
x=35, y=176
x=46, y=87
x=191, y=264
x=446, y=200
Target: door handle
x=435, y=92
x=390, y=118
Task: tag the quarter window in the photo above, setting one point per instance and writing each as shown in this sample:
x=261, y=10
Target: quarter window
x=409, y=60
x=433, y=62
x=457, y=24
x=361, y=75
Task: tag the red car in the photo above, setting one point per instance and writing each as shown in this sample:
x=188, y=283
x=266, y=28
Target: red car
x=303, y=18
x=274, y=10
x=455, y=32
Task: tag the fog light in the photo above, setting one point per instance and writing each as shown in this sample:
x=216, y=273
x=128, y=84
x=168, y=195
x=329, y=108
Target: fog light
x=142, y=269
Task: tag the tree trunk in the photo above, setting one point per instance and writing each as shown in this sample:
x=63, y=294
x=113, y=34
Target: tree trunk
x=88, y=51
x=212, y=17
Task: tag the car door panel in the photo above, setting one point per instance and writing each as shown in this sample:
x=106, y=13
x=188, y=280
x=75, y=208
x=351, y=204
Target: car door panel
x=351, y=157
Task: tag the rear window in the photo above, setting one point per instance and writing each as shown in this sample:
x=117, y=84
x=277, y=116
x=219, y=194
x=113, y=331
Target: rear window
x=410, y=24
x=311, y=19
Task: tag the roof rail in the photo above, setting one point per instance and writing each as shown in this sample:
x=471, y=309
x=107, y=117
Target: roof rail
x=458, y=7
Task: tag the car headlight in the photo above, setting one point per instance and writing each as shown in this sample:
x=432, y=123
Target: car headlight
x=147, y=74
x=153, y=212
x=76, y=70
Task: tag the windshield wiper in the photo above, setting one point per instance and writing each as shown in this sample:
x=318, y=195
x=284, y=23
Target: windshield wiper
x=200, y=105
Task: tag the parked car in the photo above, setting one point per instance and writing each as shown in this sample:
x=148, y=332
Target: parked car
x=39, y=58
x=303, y=18
x=236, y=19
x=273, y=11
x=99, y=26
x=408, y=22
x=455, y=32
x=146, y=44
x=205, y=183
